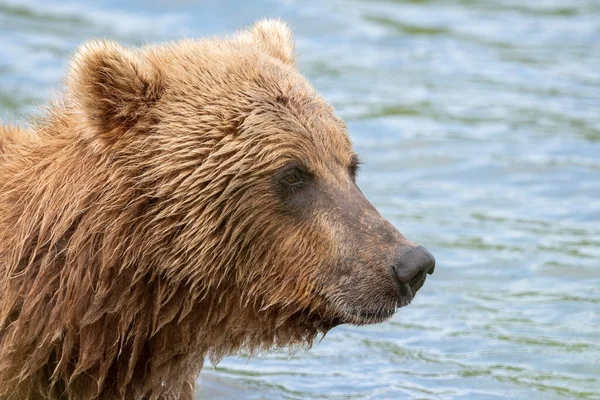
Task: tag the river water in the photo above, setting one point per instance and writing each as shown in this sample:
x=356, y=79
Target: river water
x=479, y=126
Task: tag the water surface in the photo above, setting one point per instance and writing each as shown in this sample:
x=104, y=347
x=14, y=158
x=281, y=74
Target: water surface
x=479, y=126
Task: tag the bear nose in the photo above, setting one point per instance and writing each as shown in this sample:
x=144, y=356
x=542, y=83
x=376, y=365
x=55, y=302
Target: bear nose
x=412, y=262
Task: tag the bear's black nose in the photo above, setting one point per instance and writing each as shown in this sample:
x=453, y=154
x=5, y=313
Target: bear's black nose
x=413, y=262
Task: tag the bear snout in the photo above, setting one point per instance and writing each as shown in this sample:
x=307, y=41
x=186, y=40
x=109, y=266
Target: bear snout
x=411, y=267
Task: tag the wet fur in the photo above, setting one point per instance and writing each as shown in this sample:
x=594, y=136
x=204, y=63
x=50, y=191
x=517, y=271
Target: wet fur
x=128, y=234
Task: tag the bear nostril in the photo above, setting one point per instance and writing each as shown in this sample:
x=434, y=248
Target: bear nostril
x=412, y=262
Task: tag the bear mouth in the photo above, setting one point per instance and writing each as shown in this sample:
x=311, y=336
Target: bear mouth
x=342, y=310
x=366, y=316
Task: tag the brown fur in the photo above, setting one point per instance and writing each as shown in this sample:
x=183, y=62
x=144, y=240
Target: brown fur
x=139, y=228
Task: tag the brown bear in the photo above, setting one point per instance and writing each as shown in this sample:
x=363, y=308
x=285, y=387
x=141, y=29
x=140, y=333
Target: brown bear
x=178, y=202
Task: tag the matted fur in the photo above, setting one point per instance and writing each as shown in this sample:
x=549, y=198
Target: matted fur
x=130, y=218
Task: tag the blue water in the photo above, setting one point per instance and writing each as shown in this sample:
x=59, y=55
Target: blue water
x=479, y=126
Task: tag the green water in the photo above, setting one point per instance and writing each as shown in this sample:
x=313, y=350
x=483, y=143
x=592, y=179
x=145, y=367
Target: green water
x=479, y=125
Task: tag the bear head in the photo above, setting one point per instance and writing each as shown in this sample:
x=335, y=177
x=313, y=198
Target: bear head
x=249, y=181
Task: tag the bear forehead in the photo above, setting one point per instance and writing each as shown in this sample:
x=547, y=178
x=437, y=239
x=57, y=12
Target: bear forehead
x=269, y=100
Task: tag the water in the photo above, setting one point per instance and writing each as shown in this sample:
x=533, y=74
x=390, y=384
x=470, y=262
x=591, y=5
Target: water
x=479, y=125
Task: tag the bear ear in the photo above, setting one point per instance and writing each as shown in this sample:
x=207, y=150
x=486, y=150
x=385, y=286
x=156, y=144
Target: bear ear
x=112, y=87
x=274, y=37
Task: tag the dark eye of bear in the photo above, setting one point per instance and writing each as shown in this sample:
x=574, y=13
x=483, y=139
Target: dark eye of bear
x=292, y=179
x=354, y=167
x=294, y=176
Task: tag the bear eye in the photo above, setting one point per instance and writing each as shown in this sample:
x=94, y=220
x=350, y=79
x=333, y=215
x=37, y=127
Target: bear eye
x=293, y=178
x=354, y=166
